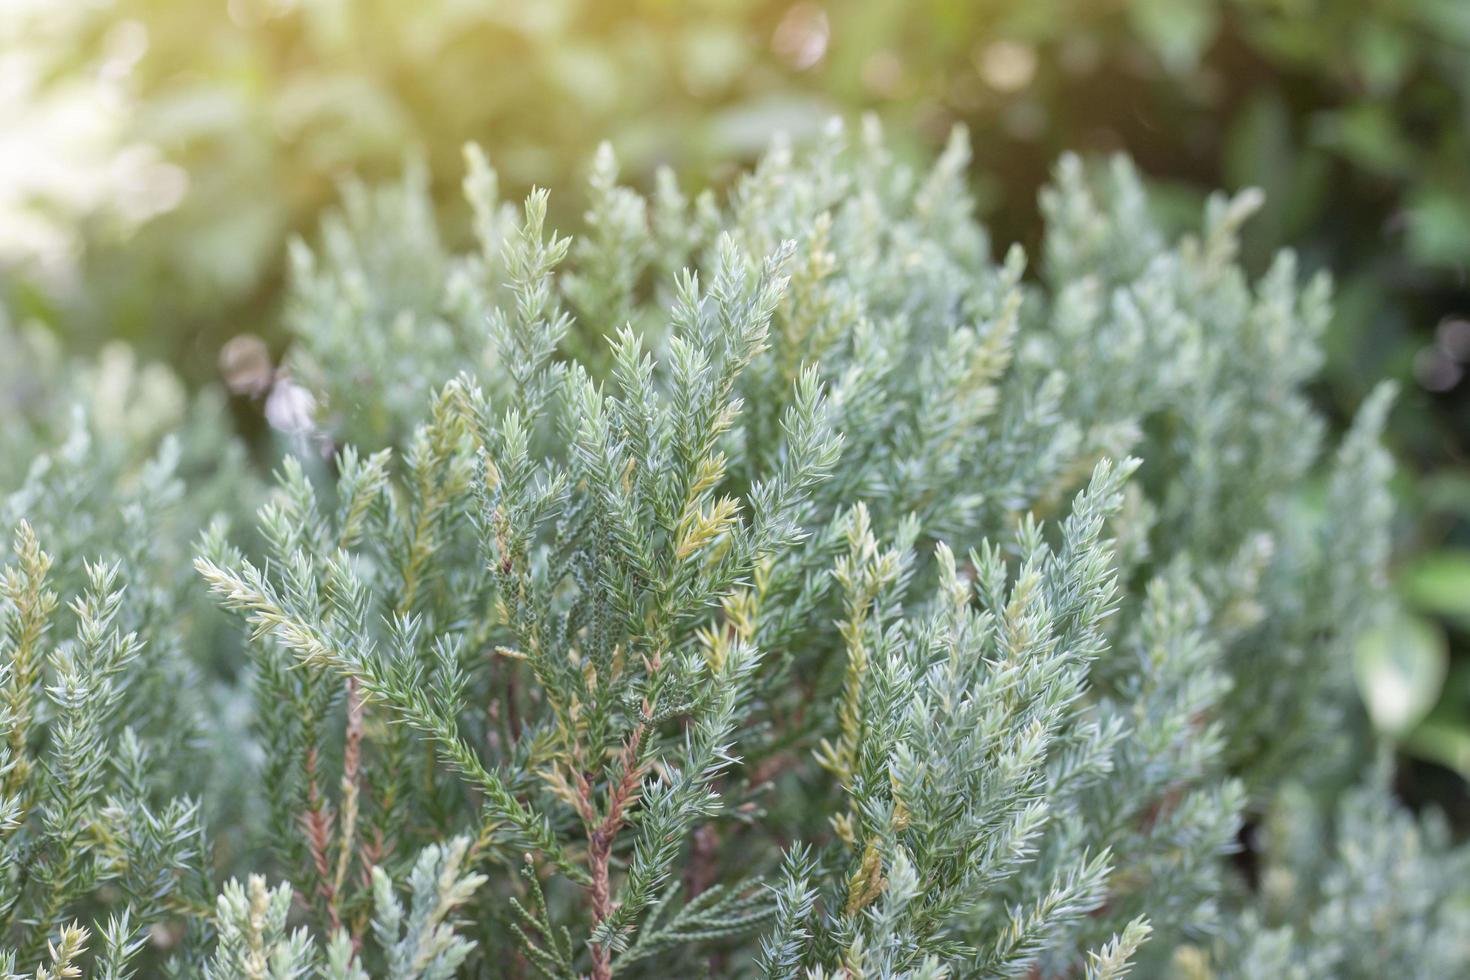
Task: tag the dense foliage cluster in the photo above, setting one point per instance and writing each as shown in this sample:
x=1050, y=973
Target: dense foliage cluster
x=768, y=583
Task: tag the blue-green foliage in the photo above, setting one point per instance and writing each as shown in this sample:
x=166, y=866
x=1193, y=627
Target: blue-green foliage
x=778, y=585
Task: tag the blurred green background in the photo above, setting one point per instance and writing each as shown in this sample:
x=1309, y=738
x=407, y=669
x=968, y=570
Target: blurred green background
x=157, y=155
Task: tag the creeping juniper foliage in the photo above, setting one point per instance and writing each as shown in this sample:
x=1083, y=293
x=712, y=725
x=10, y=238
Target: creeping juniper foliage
x=764, y=584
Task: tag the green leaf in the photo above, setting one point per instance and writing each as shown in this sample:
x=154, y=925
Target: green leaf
x=1443, y=742
x=1178, y=31
x=1439, y=584
x=1370, y=136
x=1400, y=667
x=1439, y=225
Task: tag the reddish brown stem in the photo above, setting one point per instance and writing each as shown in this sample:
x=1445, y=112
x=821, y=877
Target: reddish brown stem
x=316, y=824
x=599, y=855
x=600, y=843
